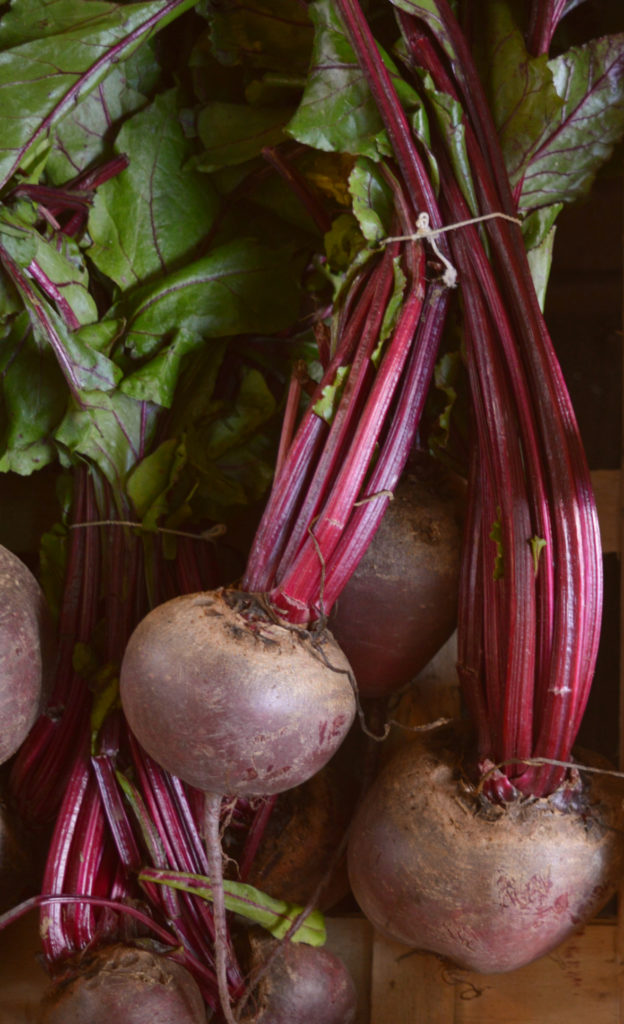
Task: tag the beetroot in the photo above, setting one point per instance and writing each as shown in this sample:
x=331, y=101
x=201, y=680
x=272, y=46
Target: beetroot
x=400, y=604
x=233, y=702
x=126, y=984
x=303, y=985
x=436, y=866
x=25, y=651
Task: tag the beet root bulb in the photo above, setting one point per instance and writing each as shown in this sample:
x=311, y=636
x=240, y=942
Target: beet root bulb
x=25, y=651
x=490, y=887
x=121, y=983
x=302, y=985
x=231, y=701
x=400, y=605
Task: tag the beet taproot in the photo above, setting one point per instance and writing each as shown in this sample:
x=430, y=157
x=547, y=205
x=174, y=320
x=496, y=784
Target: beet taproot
x=400, y=605
x=231, y=701
x=491, y=887
x=26, y=649
x=124, y=983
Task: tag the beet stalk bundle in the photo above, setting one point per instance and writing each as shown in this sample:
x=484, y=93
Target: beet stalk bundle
x=530, y=606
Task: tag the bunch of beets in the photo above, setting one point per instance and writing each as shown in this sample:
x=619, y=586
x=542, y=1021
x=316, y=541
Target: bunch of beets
x=225, y=721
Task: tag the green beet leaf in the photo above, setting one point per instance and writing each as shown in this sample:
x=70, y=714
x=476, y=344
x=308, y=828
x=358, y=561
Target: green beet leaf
x=238, y=288
x=232, y=133
x=111, y=430
x=263, y=34
x=28, y=368
x=589, y=82
x=372, y=200
x=82, y=138
x=48, y=65
x=337, y=111
x=148, y=220
x=157, y=379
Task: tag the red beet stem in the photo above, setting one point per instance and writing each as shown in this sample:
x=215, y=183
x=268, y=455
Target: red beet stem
x=514, y=351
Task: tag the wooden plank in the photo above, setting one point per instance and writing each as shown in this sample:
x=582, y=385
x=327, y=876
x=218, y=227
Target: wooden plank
x=606, y=484
x=23, y=980
x=577, y=983
x=409, y=986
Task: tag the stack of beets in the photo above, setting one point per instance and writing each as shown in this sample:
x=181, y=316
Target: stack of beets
x=479, y=841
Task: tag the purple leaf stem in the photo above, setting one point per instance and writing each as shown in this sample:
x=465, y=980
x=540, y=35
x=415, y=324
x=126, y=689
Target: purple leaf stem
x=404, y=424
x=345, y=416
x=397, y=126
x=118, y=821
x=298, y=591
x=23, y=285
x=281, y=509
x=255, y=835
x=299, y=186
x=55, y=939
x=86, y=864
x=545, y=16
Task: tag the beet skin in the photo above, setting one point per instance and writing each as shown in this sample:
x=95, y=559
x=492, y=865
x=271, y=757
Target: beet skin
x=491, y=887
x=25, y=651
x=124, y=985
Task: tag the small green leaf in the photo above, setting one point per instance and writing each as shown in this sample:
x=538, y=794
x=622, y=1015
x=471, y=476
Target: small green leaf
x=156, y=380
x=392, y=310
x=253, y=406
x=372, y=200
x=496, y=534
x=277, y=916
x=537, y=546
x=343, y=242
x=151, y=479
x=327, y=404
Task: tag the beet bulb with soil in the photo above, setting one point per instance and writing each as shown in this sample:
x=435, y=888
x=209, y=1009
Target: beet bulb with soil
x=230, y=700
x=400, y=605
x=26, y=650
x=128, y=984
